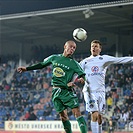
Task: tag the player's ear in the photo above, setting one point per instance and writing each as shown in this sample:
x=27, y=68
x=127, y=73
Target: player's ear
x=64, y=45
x=100, y=50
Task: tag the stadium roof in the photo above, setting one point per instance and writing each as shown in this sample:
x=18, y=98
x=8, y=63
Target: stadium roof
x=22, y=21
x=20, y=6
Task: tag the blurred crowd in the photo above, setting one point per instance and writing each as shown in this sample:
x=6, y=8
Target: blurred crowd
x=27, y=96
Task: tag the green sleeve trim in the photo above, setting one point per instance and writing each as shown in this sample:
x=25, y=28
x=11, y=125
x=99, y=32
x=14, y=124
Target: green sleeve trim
x=34, y=67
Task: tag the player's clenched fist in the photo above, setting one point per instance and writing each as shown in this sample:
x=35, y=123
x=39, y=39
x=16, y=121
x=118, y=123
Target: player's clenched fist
x=21, y=69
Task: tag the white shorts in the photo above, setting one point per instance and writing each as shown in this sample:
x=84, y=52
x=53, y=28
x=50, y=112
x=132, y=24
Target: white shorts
x=95, y=101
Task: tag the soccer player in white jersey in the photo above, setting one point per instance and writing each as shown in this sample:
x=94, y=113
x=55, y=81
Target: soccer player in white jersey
x=95, y=68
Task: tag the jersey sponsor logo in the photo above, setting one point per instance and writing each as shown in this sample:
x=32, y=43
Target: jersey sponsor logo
x=58, y=72
x=92, y=74
x=61, y=65
x=95, y=69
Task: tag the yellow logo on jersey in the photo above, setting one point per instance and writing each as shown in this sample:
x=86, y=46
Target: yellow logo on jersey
x=58, y=72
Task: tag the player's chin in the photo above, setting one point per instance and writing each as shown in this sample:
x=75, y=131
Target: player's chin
x=94, y=54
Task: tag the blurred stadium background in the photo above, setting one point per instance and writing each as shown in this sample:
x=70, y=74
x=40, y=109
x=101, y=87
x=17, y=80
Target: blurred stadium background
x=32, y=30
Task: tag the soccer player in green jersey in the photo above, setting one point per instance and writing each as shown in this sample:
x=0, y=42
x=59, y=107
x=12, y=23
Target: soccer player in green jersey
x=63, y=96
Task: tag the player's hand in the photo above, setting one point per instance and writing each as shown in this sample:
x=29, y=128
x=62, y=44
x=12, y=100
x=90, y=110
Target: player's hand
x=71, y=84
x=77, y=82
x=21, y=69
x=81, y=80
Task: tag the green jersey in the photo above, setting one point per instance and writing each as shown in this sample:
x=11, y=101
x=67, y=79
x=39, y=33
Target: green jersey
x=64, y=69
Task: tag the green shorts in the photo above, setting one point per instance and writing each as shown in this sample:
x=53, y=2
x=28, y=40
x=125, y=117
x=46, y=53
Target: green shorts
x=63, y=98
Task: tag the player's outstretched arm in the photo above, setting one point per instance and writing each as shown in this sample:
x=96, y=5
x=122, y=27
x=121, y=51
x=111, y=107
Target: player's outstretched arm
x=21, y=69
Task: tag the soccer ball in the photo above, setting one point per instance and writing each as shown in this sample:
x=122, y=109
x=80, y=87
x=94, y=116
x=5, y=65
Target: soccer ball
x=79, y=34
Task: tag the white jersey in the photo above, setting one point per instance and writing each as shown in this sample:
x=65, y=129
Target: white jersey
x=95, y=68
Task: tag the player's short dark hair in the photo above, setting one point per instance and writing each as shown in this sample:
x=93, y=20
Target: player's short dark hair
x=97, y=41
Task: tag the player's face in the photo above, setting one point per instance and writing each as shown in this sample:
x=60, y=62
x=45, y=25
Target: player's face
x=69, y=48
x=95, y=49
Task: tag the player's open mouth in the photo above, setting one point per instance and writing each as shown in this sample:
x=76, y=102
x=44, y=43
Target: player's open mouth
x=71, y=51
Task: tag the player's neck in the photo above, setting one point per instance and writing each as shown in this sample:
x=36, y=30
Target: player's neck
x=94, y=55
x=66, y=55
